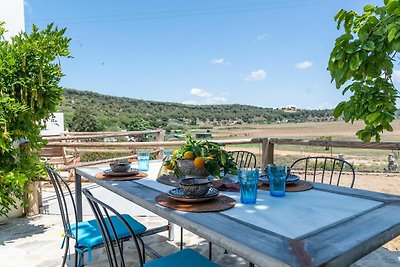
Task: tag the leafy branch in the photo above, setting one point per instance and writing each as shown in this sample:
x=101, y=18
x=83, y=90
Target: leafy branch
x=363, y=56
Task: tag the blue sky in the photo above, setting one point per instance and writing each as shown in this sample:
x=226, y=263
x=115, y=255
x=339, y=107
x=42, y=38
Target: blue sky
x=262, y=53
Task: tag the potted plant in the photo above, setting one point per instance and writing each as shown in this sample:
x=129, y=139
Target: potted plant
x=201, y=158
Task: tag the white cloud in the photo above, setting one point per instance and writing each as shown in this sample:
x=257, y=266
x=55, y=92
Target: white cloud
x=396, y=76
x=206, y=97
x=256, y=75
x=304, y=65
x=216, y=99
x=262, y=36
x=190, y=102
x=217, y=61
x=200, y=92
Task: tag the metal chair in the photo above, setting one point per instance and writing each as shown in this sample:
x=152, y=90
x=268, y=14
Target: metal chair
x=87, y=234
x=114, y=250
x=244, y=159
x=326, y=170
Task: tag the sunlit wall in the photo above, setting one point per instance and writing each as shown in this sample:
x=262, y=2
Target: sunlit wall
x=12, y=13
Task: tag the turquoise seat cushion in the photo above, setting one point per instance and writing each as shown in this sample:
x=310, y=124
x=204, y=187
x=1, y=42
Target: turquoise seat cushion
x=89, y=234
x=182, y=258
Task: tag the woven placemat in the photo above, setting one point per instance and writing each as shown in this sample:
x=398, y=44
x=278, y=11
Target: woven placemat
x=168, y=180
x=297, y=186
x=102, y=176
x=220, y=203
x=225, y=186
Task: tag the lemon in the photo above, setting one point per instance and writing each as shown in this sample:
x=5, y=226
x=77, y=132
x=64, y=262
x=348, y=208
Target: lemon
x=175, y=152
x=170, y=165
x=189, y=155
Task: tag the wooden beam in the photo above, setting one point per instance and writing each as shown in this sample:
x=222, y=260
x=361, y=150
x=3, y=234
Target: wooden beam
x=145, y=144
x=328, y=143
x=267, y=154
x=83, y=164
x=100, y=150
x=99, y=135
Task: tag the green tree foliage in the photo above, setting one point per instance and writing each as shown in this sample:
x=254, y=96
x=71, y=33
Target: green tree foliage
x=364, y=56
x=84, y=120
x=29, y=94
x=139, y=124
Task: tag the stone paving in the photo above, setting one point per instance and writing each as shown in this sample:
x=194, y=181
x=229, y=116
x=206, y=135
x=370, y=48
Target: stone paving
x=36, y=241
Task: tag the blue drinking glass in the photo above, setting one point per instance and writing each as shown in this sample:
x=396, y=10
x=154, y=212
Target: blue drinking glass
x=143, y=160
x=248, y=180
x=277, y=180
x=167, y=153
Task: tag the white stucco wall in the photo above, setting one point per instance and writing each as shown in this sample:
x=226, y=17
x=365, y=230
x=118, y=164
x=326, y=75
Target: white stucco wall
x=55, y=125
x=12, y=13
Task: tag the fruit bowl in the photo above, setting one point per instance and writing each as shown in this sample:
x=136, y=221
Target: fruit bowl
x=201, y=158
x=189, y=170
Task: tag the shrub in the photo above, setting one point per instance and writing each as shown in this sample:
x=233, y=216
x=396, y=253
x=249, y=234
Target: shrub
x=29, y=94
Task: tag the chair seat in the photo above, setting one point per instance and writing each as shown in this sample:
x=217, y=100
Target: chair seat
x=89, y=234
x=182, y=258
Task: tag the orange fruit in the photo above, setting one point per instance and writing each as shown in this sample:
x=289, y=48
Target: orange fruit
x=175, y=152
x=189, y=155
x=199, y=162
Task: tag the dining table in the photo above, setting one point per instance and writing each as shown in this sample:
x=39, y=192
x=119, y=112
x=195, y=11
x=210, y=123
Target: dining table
x=324, y=226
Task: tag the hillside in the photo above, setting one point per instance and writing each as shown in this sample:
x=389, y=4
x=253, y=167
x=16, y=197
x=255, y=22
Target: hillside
x=115, y=113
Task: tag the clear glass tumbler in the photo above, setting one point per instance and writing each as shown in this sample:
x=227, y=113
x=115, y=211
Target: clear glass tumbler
x=248, y=180
x=143, y=160
x=277, y=180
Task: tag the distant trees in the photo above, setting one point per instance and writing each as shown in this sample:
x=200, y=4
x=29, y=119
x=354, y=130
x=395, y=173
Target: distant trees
x=84, y=120
x=138, y=124
x=115, y=113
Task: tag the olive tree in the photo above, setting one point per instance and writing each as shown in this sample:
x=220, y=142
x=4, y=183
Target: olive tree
x=362, y=62
x=29, y=94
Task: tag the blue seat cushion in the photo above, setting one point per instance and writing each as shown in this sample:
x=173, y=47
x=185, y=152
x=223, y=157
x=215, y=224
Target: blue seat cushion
x=182, y=258
x=89, y=234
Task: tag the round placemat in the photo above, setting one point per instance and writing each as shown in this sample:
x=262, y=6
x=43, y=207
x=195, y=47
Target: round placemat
x=297, y=186
x=102, y=176
x=168, y=180
x=219, y=203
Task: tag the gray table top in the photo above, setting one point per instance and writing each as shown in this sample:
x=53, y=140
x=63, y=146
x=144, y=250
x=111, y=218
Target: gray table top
x=326, y=225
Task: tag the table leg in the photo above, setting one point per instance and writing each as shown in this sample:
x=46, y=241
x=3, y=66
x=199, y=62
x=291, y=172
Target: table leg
x=78, y=197
x=171, y=232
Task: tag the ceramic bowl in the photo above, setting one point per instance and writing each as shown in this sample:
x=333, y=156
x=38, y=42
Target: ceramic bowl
x=195, y=187
x=120, y=166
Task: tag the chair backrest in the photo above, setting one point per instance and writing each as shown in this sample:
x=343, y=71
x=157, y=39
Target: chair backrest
x=244, y=159
x=59, y=184
x=328, y=170
x=113, y=248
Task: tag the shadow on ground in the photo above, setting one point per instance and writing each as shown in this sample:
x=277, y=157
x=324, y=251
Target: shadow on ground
x=14, y=229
